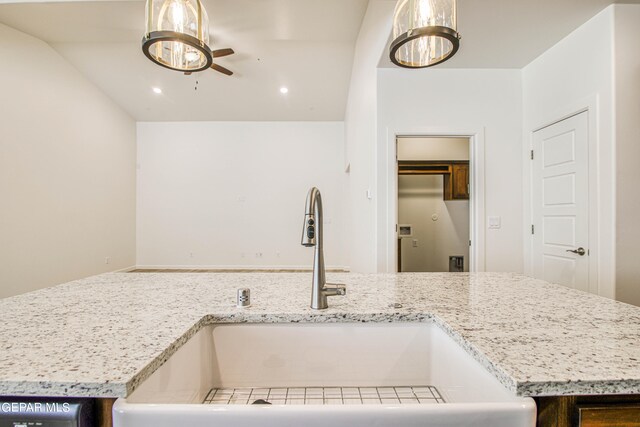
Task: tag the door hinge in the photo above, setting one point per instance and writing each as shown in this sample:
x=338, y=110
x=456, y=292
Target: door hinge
x=469, y=243
x=533, y=229
x=531, y=154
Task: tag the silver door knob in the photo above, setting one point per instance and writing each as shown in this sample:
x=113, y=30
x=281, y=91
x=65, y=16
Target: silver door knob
x=579, y=251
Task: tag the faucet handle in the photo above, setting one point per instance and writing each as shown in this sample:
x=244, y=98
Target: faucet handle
x=332, y=289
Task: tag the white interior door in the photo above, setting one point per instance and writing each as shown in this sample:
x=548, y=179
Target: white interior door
x=560, y=203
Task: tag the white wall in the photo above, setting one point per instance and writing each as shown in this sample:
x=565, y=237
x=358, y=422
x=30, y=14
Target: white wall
x=445, y=101
x=627, y=107
x=417, y=148
x=215, y=194
x=67, y=171
x=574, y=75
x=360, y=135
x=419, y=198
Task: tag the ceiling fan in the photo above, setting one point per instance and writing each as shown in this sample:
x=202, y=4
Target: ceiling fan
x=218, y=53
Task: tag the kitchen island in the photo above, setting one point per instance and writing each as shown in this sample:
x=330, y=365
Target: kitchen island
x=102, y=336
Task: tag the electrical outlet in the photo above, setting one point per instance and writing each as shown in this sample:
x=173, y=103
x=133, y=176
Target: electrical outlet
x=190, y=254
x=415, y=243
x=258, y=254
x=107, y=260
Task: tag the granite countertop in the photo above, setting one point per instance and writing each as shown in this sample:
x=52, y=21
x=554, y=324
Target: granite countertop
x=102, y=336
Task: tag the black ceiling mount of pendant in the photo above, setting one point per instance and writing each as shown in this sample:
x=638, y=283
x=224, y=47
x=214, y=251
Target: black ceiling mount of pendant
x=424, y=33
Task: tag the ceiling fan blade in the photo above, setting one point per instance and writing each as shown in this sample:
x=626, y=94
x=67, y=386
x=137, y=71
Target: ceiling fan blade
x=222, y=52
x=222, y=70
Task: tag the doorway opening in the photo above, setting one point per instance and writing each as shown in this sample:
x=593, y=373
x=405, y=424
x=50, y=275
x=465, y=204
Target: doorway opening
x=433, y=204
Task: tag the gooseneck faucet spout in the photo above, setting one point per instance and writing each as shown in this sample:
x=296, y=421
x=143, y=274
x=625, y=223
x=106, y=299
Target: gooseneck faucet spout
x=312, y=236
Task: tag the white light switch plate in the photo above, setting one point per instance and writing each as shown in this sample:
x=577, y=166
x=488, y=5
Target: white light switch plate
x=495, y=222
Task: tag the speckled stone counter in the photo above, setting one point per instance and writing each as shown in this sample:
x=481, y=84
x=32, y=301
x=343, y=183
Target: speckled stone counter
x=102, y=336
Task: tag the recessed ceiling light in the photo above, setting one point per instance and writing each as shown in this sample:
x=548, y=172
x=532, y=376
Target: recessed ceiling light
x=284, y=90
x=157, y=90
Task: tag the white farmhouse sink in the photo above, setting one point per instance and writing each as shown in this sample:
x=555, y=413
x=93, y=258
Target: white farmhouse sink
x=329, y=358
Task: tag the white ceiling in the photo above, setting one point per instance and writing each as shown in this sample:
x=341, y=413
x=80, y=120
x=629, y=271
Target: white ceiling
x=306, y=45
x=512, y=33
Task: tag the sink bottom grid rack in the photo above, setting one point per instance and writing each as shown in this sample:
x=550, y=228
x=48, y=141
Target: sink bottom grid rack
x=325, y=395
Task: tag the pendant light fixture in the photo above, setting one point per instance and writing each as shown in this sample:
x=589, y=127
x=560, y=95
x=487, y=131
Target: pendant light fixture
x=424, y=33
x=177, y=35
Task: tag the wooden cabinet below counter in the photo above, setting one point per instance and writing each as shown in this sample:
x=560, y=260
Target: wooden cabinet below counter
x=588, y=411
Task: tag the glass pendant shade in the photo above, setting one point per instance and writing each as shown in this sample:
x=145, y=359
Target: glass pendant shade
x=424, y=33
x=177, y=35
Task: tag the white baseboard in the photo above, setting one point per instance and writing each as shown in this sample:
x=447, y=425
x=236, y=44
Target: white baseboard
x=124, y=270
x=330, y=268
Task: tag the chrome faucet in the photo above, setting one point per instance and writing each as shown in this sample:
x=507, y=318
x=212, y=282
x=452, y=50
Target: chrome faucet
x=312, y=236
